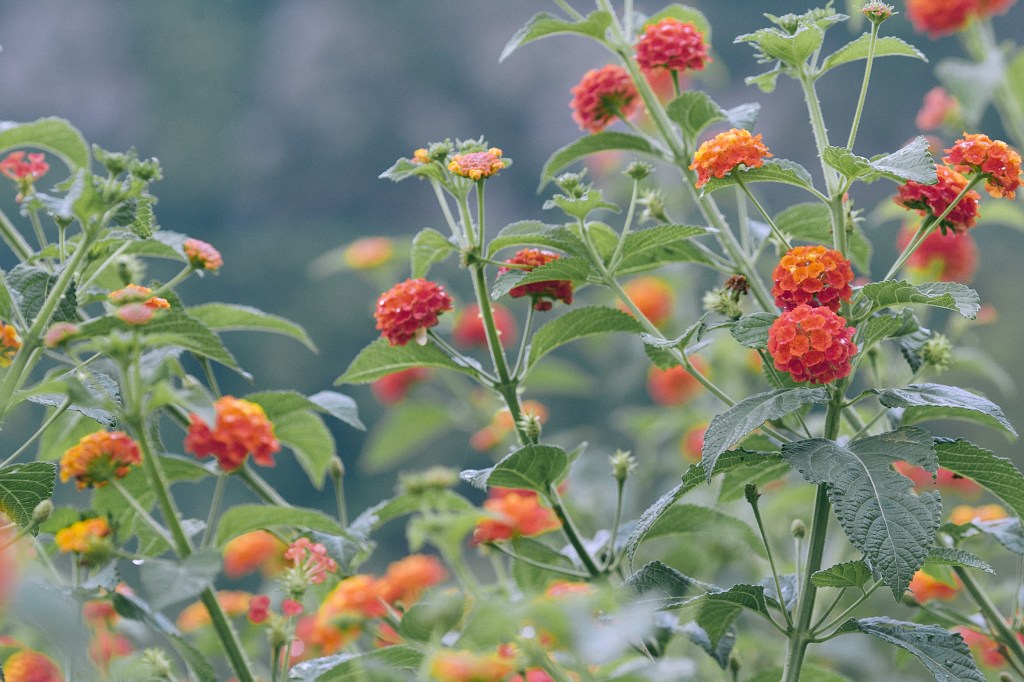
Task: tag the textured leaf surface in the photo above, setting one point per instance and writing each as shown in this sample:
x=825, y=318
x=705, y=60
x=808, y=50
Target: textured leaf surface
x=885, y=46
x=23, y=486
x=592, y=144
x=880, y=327
x=535, y=467
x=227, y=317
x=536, y=233
x=852, y=574
x=645, y=249
x=874, y=504
x=380, y=359
x=577, y=324
x=949, y=295
x=792, y=48
x=773, y=170
x=573, y=269
x=659, y=585
x=751, y=331
x=924, y=402
x=996, y=474
x=54, y=135
x=954, y=556
x=942, y=652
x=246, y=517
x=718, y=610
x=913, y=161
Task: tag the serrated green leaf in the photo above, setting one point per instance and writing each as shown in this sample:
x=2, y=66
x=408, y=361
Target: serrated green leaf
x=954, y=556
x=659, y=585
x=403, y=430
x=751, y=331
x=247, y=517
x=278, y=404
x=718, y=610
x=357, y=667
x=536, y=233
x=33, y=285
x=726, y=429
x=227, y=317
x=696, y=634
x=694, y=111
x=885, y=46
x=812, y=222
x=996, y=474
x=657, y=348
x=573, y=269
x=339, y=406
x=880, y=327
x=543, y=25
x=581, y=207
x=380, y=359
x=949, y=295
x=942, y=652
x=766, y=81
x=912, y=161
x=171, y=582
x=792, y=49
x=686, y=519
x=925, y=402
x=654, y=246
x=534, y=467
x=1008, y=532
x=577, y=324
x=882, y=517
x=846, y=162
x=852, y=574
x=23, y=486
x=428, y=247
x=53, y=135
x=974, y=84
x=406, y=168
x=773, y=170
x=592, y=144
x=735, y=482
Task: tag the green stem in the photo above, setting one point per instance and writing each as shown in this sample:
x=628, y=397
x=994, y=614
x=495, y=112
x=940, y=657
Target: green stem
x=519, y=369
x=764, y=214
x=841, y=618
x=864, y=85
x=211, y=518
x=819, y=130
x=13, y=238
x=626, y=226
x=263, y=490
x=143, y=514
x=446, y=210
x=752, y=500
x=537, y=564
x=567, y=8
x=103, y=266
x=61, y=409
x=37, y=227
x=996, y=620
x=175, y=281
x=571, y=533
x=612, y=556
x=461, y=359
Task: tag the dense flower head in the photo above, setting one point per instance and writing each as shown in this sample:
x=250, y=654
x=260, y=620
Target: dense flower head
x=927, y=588
x=944, y=479
x=997, y=161
x=940, y=17
x=406, y=310
x=932, y=200
x=949, y=257
x=393, y=388
x=675, y=385
x=98, y=458
x=202, y=256
x=10, y=342
x=602, y=96
x=812, y=344
x=195, y=616
x=451, y=665
x=653, y=296
x=469, y=326
x=555, y=290
x=24, y=168
x=27, y=665
x=84, y=537
x=58, y=333
x=256, y=550
x=407, y=578
x=241, y=428
x=726, y=151
x=107, y=645
x=938, y=109
x=477, y=165
x=672, y=44
x=368, y=252
x=965, y=513
x=134, y=293
x=514, y=514
x=812, y=275
x=311, y=559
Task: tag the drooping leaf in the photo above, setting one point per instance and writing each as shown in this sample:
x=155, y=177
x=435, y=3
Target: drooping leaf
x=428, y=247
x=751, y=331
x=403, y=430
x=659, y=585
x=53, y=135
x=950, y=295
x=23, y=486
x=720, y=653
x=1008, y=532
x=852, y=574
x=339, y=406
x=536, y=233
x=726, y=429
x=655, y=246
x=577, y=324
x=885, y=46
x=227, y=317
x=874, y=504
x=954, y=556
x=592, y=144
x=309, y=438
x=925, y=402
x=543, y=25
x=534, y=467
x=942, y=652
x=774, y=170
x=357, y=667
x=247, y=517
x=996, y=474
x=380, y=359
x=718, y=610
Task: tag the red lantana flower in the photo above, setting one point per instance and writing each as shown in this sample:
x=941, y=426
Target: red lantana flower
x=672, y=44
x=926, y=588
x=997, y=161
x=603, y=95
x=674, y=386
x=725, y=151
x=949, y=257
x=812, y=275
x=469, y=327
x=392, y=388
x=202, y=256
x=406, y=310
x=555, y=290
x=937, y=109
x=477, y=165
x=259, y=608
x=242, y=428
x=812, y=344
x=940, y=17
x=21, y=171
x=31, y=666
x=98, y=458
x=932, y=200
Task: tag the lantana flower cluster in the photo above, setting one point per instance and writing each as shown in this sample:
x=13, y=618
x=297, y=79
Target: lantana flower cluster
x=409, y=308
x=942, y=17
x=543, y=293
x=993, y=159
x=602, y=96
x=672, y=44
x=933, y=200
x=812, y=344
x=812, y=275
x=100, y=457
x=725, y=152
x=241, y=428
x=514, y=513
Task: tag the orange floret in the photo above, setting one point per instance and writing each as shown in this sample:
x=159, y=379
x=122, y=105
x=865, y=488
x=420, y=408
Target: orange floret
x=256, y=550
x=406, y=579
x=675, y=385
x=653, y=296
x=10, y=342
x=514, y=514
x=133, y=293
x=926, y=588
x=98, y=458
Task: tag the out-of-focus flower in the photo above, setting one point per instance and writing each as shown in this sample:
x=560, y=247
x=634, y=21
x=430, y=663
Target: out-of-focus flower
x=477, y=165
x=944, y=479
x=106, y=645
x=241, y=428
x=932, y=200
x=450, y=665
x=514, y=514
x=369, y=252
x=926, y=588
x=812, y=344
x=567, y=588
x=963, y=513
x=31, y=666
x=17, y=168
x=291, y=608
x=202, y=256
x=195, y=615
x=259, y=608
x=940, y=17
x=812, y=275
x=421, y=155
x=653, y=296
x=691, y=445
x=674, y=386
x=311, y=559
x=469, y=326
x=938, y=109
x=949, y=257
x=725, y=152
x=985, y=650
x=407, y=578
x=392, y=388
x=602, y=96
x=10, y=342
x=255, y=550
x=406, y=310
x=541, y=292
x=672, y=44
x=85, y=537
x=135, y=313
x=341, y=615
x=98, y=458
x=997, y=161
x=987, y=8
x=502, y=425
x=58, y=333
x=134, y=293
x=99, y=613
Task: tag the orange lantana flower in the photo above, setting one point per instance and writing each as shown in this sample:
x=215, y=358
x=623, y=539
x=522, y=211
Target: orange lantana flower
x=84, y=537
x=812, y=344
x=407, y=578
x=653, y=296
x=814, y=275
x=997, y=161
x=202, y=256
x=10, y=342
x=195, y=615
x=258, y=549
x=133, y=293
x=477, y=165
x=242, y=428
x=406, y=310
x=98, y=458
x=926, y=588
x=31, y=666
x=514, y=514
x=725, y=152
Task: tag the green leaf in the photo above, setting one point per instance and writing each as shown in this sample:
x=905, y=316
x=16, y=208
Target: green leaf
x=380, y=359
x=996, y=474
x=401, y=433
x=694, y=111
x=248, y=517
x=1008, y=532
x=942, y=652
x=311, y=441
x=925, y=402
x=751, y=331
x=954, y=556
x=227, y=317
x=808, y=673
x=592, y=144
x=766, y=81
x=277, y=404
x=536, y=233
x=577, y=324
x=974, y=84
x=886, y=46
x=428, y=247
x=726, y=429
x=880, y=327
x=1015, y=78
x=773, y=170
x=659, y=585
x=534, y=467
x=882, y=517
x=792, y=49
x=846, y=162
x=382, y=512
x=170, y=582
x=949, y=295
x=687, y=519
x=655, y=246
x=543, y=25
x=132, y=607
x=576, y=270
x=812, y=222
x=718, y=610
x=657, y=348
x=852, y=574
x=53, y=135
x=23, y=486
x=581, y=207
x=912, y=161
x=735, y=482
x=380, y=664
x=33, y=285
x=406, y=168
x=339, y=406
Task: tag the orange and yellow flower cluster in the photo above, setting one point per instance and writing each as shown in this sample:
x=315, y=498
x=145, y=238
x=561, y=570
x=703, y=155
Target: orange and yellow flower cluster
x=477, y=165
x=99, y=458
x=514, y=514
x=812, y=275
x=241, y=428
x=725, y=152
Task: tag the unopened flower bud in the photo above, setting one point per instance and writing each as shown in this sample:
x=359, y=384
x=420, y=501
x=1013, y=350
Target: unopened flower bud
x=638, y=170
x=937, y=352
x=572, y=184
x=336, y=468
x=908, y=599
x=750, y=492
x=654, y=206
x=42, y=512
x=1005, y=677
x=434, y=478
x=531, y=424
x=622, y=464
x=722, y=302
x=157, y=663
x=797, y=529
x=877, y=12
